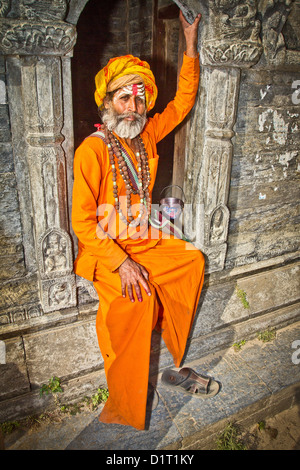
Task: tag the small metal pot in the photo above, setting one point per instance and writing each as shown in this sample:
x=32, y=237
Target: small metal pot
x=172, y=207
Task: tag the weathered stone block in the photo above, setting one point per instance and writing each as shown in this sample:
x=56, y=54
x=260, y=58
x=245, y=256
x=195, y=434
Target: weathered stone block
x=64, y=351
x=262, y=195
x=7, y=159
x=8, y=198
x=5, y=135
x=220, y=305
x=272, y=289
x=18, y=292
x=14, y=379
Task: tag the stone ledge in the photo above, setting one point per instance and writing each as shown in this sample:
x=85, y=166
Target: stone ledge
x=252, y=414
x=85, y=382
x=258, y=381
x=225, y=337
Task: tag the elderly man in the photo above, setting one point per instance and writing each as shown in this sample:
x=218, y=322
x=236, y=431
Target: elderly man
x=144, y=278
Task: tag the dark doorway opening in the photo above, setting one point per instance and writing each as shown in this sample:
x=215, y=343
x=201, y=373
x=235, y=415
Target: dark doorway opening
x=109, y=29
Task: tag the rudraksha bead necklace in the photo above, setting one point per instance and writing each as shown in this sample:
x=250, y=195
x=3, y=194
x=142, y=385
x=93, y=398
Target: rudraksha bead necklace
x=143, y=178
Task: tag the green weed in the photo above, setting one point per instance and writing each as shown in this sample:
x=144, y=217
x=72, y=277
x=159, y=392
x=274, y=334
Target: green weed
x=242, y=296
x=238, y=345
x=228, y=439
x=267, y=335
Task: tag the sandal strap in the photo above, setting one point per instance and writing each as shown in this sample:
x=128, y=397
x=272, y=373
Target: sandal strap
x=202, y=382
x=174, y=378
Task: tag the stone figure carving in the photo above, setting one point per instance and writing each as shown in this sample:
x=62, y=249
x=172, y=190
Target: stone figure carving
x=88, y=286
x=219, y=225
x=5, y=319
x=34, y=9
x=57, y=282
x=274, y=14
x=237, y=18
x=55, y=253
x=4, y=7
x=36, y=38
x=33, y=312
x=60, y=293
x=233, y=34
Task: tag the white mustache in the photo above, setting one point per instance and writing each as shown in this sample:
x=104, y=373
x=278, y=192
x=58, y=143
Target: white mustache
x=134, y=114
x=118, y=123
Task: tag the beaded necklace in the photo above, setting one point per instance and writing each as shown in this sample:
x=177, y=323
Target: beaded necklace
x=140, y=187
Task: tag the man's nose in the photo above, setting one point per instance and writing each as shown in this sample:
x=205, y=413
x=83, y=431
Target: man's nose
x=132, y=104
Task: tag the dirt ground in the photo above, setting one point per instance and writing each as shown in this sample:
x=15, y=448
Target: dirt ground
x=281, y=432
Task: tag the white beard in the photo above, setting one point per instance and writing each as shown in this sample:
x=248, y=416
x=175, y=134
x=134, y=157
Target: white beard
x=124, y=129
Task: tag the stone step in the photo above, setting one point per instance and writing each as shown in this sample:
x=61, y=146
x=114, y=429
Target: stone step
x=258, y=381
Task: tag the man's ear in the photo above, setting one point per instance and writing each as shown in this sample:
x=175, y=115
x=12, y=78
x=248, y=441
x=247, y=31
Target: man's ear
x=106, y=102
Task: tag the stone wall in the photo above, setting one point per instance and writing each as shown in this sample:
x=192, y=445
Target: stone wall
x=240, y=175
x=11, y=257
x=264, y=190
x=241, y=170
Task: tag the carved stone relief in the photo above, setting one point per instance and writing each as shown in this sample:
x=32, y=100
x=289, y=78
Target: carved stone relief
x=274, y=15
x=41, y=81
x=88, y=286
x=234, y=34
x=58, y=293
x=43, y=123
x=55, y=253
x=35, y=27
x=32, y=32
x=229, y=41
x=17, y=315
x=218, y=225
x=210, y=185
x=229, y=31
x=35, y=9
x=36, y=38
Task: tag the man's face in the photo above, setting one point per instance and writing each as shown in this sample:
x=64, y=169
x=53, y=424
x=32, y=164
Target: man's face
x=130, y=99
x=125, y=113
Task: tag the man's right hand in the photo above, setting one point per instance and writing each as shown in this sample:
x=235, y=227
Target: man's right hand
x=132, y=275
x=191, y=34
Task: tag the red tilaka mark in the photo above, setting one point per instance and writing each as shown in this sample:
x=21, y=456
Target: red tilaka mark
x=135, y=89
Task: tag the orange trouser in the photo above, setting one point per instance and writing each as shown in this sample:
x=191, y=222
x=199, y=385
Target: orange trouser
x=124, y=328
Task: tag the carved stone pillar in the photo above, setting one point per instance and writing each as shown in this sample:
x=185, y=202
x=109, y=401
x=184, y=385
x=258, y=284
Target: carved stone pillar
x=35, y=46
x=214, y=179
x=229, y=41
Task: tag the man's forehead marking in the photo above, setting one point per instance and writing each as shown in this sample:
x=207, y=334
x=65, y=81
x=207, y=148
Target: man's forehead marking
x=135, y=90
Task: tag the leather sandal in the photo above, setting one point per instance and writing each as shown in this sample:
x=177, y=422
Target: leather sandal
x=191, y=383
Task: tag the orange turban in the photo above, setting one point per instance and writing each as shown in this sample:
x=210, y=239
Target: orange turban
x=119, y=67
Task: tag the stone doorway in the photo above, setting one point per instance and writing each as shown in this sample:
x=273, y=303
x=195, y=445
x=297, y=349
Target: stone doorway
x=241, y=171
x=147, y=29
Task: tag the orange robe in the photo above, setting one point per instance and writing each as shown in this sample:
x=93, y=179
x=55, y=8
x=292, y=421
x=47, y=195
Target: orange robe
x=175, y=267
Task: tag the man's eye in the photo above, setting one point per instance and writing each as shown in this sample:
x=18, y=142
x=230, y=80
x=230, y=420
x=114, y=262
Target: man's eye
x=125, y=97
